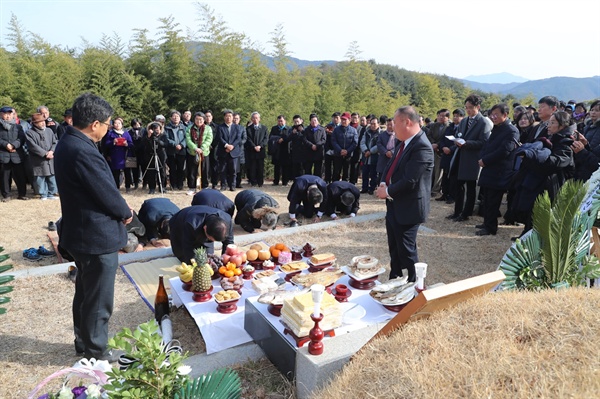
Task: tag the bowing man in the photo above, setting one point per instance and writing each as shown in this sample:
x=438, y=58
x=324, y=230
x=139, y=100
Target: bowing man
x=406, y=187
x=343, y=197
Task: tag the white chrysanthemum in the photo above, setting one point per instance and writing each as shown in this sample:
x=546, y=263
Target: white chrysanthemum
x=65, y=393
x=93, y=392
x=184, y=370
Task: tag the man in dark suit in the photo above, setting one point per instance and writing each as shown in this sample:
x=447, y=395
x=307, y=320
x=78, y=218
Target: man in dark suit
x=406, y=187
x=305, y=196
x=214, y=199
x=255, y=210
x=229, y=150
x=256, y=145
x=155, y=214
x=12, y=156
x=197, y=226
x=94, y=215
x=344, y=197
x=473, y=132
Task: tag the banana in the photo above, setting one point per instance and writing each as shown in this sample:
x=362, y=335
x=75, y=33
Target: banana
x=187, y=277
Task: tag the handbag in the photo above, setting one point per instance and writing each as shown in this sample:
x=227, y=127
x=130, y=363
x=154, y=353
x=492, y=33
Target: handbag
x=131, y=162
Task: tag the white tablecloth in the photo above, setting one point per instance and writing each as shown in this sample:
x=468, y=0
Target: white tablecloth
x=223, y=331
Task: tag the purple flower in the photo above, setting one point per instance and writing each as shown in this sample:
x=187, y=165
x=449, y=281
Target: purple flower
x=45, y=396
x=77, y=391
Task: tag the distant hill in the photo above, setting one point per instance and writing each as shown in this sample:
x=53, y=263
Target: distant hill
x=490, y=87
x=503, y=77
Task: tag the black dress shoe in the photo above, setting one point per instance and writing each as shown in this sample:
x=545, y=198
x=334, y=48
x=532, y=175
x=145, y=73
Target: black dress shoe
x=364, y=191
x=442, y=198
x=452, y=217
x=483, y=232
x=480, y=226
x=231, y=189
x=370, y=192
x=450, y=201
x=461, y=218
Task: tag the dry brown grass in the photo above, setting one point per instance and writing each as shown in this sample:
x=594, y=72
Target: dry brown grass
x=36, y=334
x=509, y=345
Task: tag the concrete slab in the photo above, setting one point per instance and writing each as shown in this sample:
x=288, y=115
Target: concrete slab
x=203, y=363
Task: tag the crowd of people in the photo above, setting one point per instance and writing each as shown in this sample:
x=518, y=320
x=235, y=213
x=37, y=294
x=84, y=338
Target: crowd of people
x=536, y=150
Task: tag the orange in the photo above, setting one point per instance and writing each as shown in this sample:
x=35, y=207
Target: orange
x=222, y=269
x=237, y=272
x=275, y=253
x=229, y=273
x=280, y=246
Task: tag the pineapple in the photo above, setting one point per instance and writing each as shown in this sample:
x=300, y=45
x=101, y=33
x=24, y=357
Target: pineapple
x=202, y=272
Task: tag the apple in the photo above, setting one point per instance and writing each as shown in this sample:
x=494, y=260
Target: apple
x=225, y=258
x=244, y=257
x=231, y=249
x=236, y=259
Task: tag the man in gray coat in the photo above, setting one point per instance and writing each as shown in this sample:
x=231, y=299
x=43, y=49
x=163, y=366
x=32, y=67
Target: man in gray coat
x=41, y=142
x=473, y=132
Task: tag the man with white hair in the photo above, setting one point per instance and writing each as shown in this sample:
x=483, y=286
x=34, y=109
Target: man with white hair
x=255, y=147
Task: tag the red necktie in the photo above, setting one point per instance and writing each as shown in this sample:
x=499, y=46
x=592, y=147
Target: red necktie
x=388, y=176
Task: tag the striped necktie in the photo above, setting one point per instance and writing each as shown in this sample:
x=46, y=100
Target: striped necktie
x=469, y=123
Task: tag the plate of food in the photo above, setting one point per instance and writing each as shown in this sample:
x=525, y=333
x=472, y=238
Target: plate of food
x=325, y=278
x=226, y=296
x=359, y=275
x=293, y=267
x=395, y=292
x=322, y=259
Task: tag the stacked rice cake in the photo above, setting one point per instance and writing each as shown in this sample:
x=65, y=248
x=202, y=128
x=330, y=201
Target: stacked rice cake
x=296, y=313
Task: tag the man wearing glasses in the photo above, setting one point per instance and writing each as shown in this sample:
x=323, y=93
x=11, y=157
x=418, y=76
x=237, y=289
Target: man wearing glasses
x=94, y=215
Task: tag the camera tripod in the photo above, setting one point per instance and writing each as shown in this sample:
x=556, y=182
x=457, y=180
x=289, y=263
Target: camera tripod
x=155, y=164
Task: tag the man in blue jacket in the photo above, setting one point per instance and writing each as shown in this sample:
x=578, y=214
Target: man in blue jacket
x=214, y=199
x=94, y=215
x=155, y=214
x=229, y=150
x=176, y=150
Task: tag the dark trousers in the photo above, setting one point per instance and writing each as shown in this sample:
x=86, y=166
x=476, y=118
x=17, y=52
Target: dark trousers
x=340, y=168
x=369, y=177
x=402, y=243
x=354, y=170
x=281, y=170
x=192, y=171
x=176, y=170
x=151, y=173
x=215, y=173
x=328, y=168
x=17, y=172
x=241, y=173
x=314, y=168
x=227, y=171
x=255, y=168
x=117, y=176
x=93, y=301
x=509, y=216
x=297, y=169
x=492, y=201
x=461, y=206
x=445, y=185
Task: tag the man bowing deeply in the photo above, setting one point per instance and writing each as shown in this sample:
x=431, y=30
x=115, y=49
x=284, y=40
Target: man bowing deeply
x=406, y=187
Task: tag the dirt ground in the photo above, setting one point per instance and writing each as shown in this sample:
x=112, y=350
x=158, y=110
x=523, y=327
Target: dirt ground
x=36, y=333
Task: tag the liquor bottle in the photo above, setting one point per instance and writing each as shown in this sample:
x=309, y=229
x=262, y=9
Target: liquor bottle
x=161, y=303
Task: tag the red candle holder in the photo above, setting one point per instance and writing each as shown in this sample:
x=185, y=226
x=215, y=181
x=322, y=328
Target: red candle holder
x=316, y=335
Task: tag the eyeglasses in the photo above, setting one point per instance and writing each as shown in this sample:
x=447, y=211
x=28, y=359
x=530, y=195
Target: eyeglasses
x=104, y=123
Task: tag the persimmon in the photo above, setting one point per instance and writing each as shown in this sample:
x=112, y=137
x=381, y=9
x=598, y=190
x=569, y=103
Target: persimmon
x=237, y=272
x=275, y=253
x=222, y=269
x=229, y=273
x=280, y=246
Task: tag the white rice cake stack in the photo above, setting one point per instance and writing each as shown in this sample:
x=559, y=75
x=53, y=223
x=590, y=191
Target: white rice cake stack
x=296, y=313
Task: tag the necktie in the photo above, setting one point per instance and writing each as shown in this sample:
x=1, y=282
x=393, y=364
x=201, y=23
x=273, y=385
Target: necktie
x=469, y=123
x=388, y=176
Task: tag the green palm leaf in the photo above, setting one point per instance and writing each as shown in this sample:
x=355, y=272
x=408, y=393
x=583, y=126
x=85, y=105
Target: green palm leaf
x=523, y=254
x=218, y=384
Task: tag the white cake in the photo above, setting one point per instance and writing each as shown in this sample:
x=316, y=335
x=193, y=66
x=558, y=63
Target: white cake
x=296, y=313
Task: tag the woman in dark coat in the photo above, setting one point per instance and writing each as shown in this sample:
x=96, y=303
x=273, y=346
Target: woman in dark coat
x=154, y=144
x=548, y=174
x=587, y=145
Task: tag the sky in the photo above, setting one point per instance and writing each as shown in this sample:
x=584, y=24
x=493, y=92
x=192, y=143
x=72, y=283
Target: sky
x=533, y=39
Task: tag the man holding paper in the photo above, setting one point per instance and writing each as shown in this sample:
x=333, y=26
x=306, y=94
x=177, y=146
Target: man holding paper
x=406, y=187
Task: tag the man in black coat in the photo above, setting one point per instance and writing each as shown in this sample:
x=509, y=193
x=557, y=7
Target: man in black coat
x=314, y=140
x=496, y=164
x=406, y=187
x=305, y=196
x=155, y=214
x=342, y=196
x=213, y=160
x=94, y=215
x=255, y=210
x=229, y=149
x=197, y=226
x=279, y=151
x=12, y=155
x=256, y=145
x=214, y=199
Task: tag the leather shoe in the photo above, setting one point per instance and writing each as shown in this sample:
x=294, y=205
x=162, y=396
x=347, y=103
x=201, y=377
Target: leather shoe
x=483, y=232
x=452, y=217
x=461, y=218
x=364, y=191
x=480, y=226
x=442, y=198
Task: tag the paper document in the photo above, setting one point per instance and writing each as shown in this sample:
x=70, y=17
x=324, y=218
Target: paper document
x=459, y=141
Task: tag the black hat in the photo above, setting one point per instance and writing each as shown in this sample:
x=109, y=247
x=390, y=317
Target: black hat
x=6, y=109
x=68, y=112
